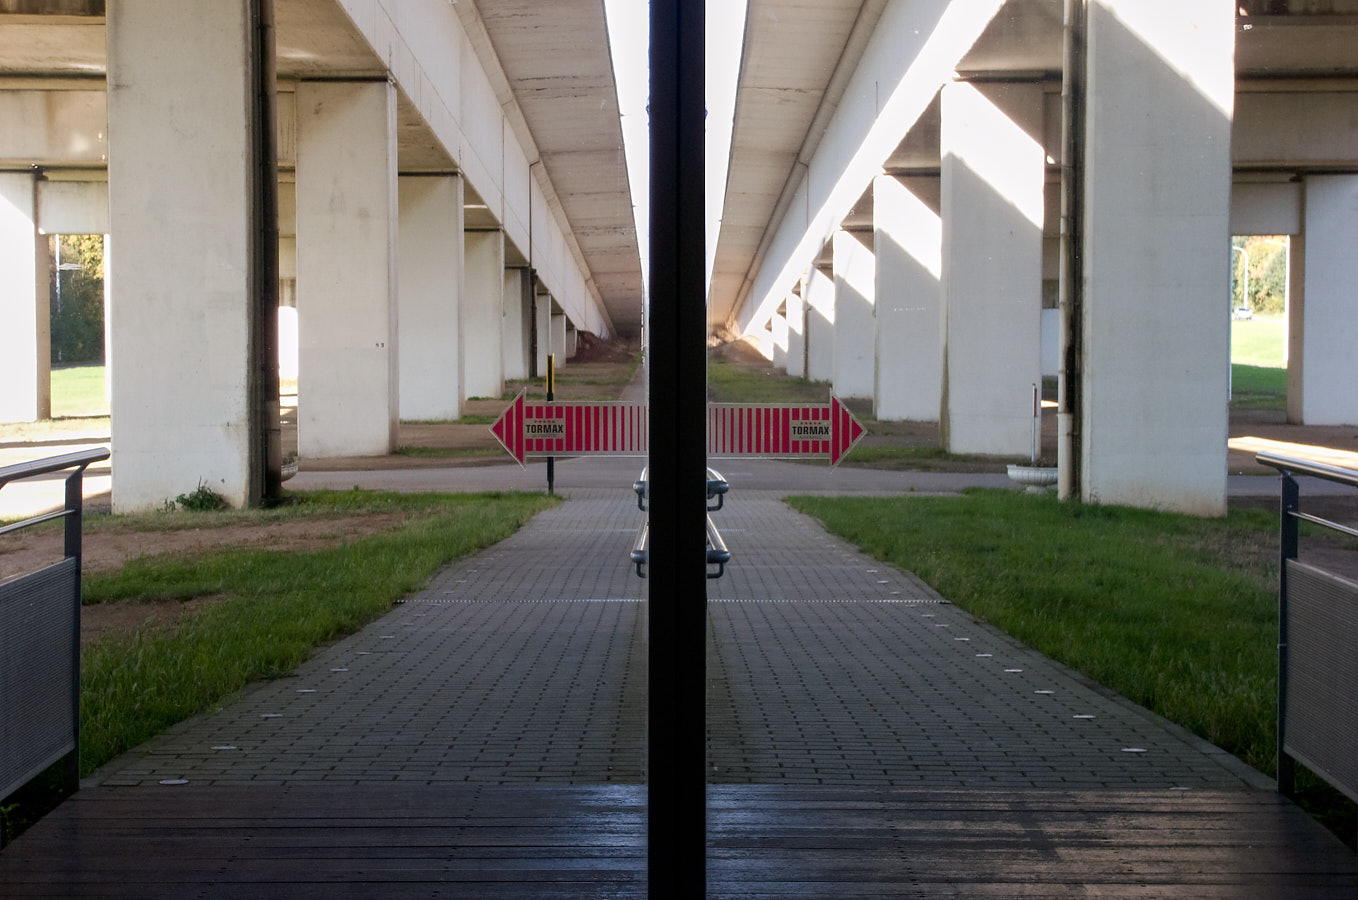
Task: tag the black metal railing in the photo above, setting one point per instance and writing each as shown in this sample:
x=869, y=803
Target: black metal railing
x=1317, y=637
x=40, y=641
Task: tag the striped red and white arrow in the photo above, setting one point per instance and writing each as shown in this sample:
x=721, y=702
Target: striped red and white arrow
x=785, y=431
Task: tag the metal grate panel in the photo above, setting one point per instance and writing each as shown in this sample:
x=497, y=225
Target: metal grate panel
x=1321, y=728
x=39, y=622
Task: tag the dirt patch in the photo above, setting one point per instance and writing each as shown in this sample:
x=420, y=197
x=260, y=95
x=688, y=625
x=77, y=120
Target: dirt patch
x=592, y=349
x=107, y=551
x=105, y=618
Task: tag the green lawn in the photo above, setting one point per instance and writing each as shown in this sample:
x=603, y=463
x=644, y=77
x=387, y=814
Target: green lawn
x=1176, y=613
x=78, y=391
x=1259, y=342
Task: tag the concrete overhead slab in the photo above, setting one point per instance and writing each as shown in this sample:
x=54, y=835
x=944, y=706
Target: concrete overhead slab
x=554, y=59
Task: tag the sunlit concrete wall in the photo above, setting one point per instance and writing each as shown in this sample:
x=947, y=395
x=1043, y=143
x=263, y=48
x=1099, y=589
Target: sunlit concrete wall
x=907, y=241
x=1157, y=181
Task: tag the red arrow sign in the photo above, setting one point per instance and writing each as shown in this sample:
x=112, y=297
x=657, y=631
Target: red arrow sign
x=572, y=429
x=816, y=430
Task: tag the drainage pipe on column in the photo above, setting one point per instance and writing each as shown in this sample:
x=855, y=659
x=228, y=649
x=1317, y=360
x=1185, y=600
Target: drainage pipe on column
x=1071, y=392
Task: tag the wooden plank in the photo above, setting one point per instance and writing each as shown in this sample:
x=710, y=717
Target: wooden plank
x=590, y=842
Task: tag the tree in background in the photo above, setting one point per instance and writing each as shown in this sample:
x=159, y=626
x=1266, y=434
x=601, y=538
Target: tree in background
x=1267, y=255
x=77, y=297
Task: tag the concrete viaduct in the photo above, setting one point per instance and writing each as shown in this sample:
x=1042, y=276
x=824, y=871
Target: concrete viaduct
x=452, y=199
x=925, y=194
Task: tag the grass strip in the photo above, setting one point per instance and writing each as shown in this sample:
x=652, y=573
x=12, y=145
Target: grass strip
x=729, y=382
x=1177, y=614
x=271, y=609
x=1258, y=387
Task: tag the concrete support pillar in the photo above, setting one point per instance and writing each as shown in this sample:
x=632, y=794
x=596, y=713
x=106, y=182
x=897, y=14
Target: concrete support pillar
x=483, y=314
x=559, y=347
x=1157, y=182
x=572, y=341
x=779, y=329
x=991, y=275
x=346, y=269
x=796, y=335
x=180, y=133
x=430, y=282
x=818, y=290
x=542, y=329
x=907, y=242
x=1322, y=365
x=855, y=325
x=25, y=338
x=518, y=323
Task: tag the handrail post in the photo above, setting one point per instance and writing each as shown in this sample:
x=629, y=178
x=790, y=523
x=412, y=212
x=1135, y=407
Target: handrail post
x=1289, y=527
x=75, y=506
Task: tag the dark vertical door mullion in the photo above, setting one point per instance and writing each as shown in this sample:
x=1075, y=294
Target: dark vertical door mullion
x=677, y=581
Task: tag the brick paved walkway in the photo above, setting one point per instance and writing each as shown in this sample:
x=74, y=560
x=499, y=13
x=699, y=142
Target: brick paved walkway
x=527, y=664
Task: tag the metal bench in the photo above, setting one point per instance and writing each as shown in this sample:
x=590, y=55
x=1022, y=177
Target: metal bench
x=717, y=553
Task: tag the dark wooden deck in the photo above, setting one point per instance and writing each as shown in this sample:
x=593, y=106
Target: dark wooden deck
x=588, y=841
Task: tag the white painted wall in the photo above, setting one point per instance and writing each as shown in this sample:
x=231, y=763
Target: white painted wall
x=1329, y=307
x=346, y=269
x=179, y=132
x=21, y=374
x=430, y=286
x=483, y=314
x=991, y=275
x=855, y=322
x=819, y=293
x=907, y=240
x=1158, y=177
x=912, y=53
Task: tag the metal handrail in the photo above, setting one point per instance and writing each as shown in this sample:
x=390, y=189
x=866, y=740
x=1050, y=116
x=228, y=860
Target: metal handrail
x=1295, y=466
x=1289, y=540
x=51, y=464
x=1291, y=466
x=68, y=752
